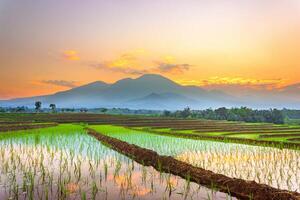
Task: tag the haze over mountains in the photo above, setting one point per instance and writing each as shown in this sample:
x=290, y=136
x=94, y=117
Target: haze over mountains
x=152, y=91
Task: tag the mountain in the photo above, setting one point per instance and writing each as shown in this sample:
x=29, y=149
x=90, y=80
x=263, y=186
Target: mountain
x=69, y=98
x=165, y=100
x=151, y=91
x=262, y=97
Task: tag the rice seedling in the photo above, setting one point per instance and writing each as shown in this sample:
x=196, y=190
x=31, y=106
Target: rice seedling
x=63, y=162
x=276, y=167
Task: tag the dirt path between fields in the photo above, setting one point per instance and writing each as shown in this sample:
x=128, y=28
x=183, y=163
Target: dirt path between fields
x=235, y=187
x=17, y=127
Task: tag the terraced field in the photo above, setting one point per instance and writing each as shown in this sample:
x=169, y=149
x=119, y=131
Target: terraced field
x=23, y=126
x=145, y=158
x=256, y=133
x=63, y=162
x=265, y=165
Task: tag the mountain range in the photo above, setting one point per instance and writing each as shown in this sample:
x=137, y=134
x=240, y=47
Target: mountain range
x=152, y=91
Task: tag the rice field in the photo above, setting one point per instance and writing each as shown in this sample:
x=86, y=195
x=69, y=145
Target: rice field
x=279, y=168
x=285, y=133
x=63, y=162
x=55, y=160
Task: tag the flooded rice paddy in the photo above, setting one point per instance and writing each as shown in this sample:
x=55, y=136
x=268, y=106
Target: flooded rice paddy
x=279, y=168
x=65, y=163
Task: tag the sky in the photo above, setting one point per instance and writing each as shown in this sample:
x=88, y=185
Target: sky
x=54, y=45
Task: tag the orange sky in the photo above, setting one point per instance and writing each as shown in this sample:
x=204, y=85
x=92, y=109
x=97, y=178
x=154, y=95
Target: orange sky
x=55, y=45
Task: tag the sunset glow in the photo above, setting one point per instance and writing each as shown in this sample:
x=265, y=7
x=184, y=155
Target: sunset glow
x=51, y=46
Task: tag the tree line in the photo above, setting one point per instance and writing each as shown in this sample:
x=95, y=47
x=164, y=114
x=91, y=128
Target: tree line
x=233, y=114
x=291, y=114
x=230, y=114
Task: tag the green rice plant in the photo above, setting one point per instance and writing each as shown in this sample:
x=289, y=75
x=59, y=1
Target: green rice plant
x=105, y=170
x=65, y=162
x=83, y=196
x=94, y=190
x=261, y=164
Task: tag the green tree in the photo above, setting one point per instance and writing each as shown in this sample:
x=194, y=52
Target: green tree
x=222, y=113
x=53, y=107
x=20, y=109
x=38, y=106
x=167, y=113
x=277, y=116
x=103, y=110
x=185, y=113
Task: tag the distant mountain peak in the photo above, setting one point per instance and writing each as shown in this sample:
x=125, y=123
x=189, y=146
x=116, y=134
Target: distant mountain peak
x=90, y=87
x=94, y=84
x=97, y=83
x=153, y=95
x=153, y=77
x=124, y=80
x=146, y=92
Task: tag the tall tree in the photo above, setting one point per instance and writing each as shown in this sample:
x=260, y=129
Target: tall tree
x=38, y=106
x=167, y=113
x=53, y=107
x=186, y=112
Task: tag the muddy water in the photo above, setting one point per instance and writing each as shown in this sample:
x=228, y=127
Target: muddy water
x=66, y=163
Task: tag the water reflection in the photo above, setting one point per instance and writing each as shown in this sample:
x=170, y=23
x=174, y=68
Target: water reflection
x=279, y=168
x=60, y=163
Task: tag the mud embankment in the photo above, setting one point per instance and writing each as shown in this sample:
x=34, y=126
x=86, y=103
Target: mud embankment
x=235, y=187
x=17, y=127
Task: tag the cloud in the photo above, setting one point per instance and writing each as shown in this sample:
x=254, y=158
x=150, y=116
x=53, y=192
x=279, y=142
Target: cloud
x=63, y=83
x=237, y=85
x=137, y=63
x=133, y=55
x=293, y=88
x=241, y=82
x=124, y=70
x=161, y=68
x=172, y=67
x=127, y=59
x=123, y=63
x=168, y=64
x=71, y=55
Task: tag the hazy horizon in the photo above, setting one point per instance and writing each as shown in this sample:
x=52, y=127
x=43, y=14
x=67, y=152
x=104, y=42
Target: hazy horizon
x=156, y=92
x=232, y=89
